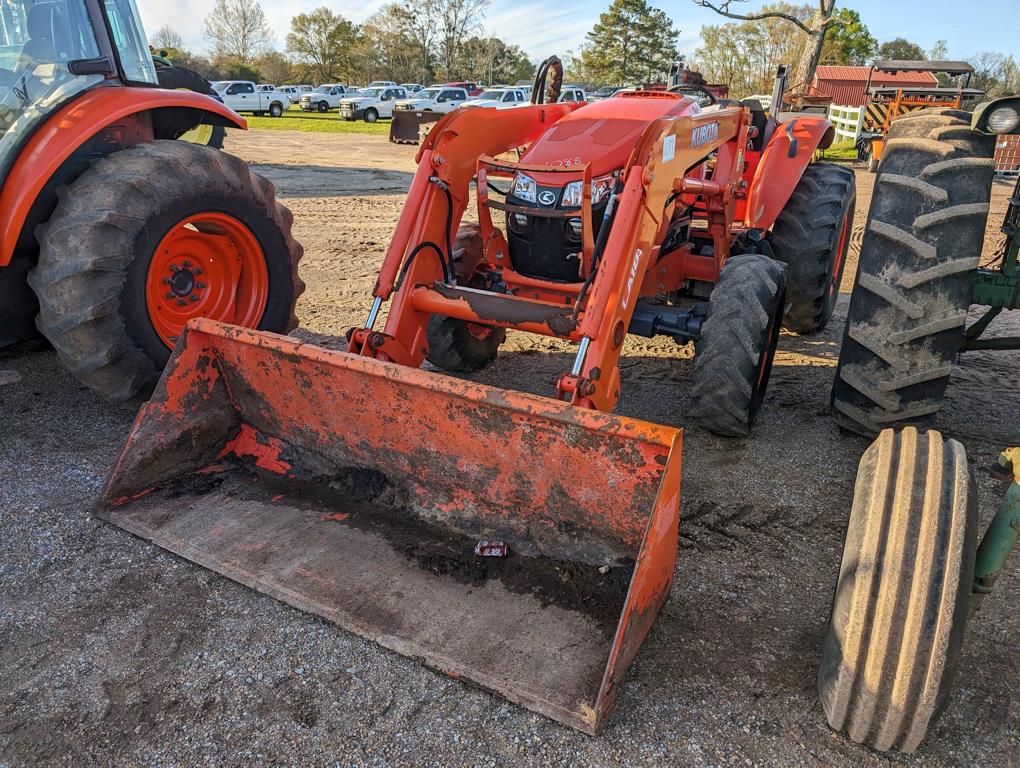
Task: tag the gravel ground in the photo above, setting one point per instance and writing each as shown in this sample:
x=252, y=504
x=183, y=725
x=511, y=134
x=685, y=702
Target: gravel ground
x=113, y=652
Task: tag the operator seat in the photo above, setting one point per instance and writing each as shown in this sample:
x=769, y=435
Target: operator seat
x=40, y=24
x=758, y=120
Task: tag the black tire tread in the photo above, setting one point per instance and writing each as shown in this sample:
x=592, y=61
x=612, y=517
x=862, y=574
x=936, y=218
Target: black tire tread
x=922, y=243
x=805, y=237
x=177, y=78
x=728, y=353
x=88, y=243
x=902, y=599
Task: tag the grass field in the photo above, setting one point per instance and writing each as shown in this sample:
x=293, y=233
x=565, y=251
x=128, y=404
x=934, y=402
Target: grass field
x=329, y=122
x=844, y=150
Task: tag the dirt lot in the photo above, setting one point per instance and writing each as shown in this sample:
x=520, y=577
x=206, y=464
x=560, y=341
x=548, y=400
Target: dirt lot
x=113, y=652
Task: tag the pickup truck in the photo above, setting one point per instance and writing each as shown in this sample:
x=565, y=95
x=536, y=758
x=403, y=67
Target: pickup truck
x=323, y=98
x=500, y=98
x=245, y=96
x=435, y=99
x=372, y=103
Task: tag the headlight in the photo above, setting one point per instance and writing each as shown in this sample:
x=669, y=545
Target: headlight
x=525, y=188
x=1003, y=120
x=600, y=189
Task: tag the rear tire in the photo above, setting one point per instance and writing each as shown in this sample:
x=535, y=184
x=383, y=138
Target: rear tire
x=92, y=278
x=733, y=358
x=915, y=276
x=903, y=595
x=180, y=79
x=455, y=345
x=276, y=109
x=812, y=236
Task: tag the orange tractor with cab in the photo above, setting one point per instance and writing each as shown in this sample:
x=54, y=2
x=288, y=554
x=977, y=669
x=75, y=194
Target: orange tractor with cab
x=112, y=234
x=525, y=543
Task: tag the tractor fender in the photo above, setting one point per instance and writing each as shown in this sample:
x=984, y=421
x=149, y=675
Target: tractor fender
x=788, y=153
x=74, y=124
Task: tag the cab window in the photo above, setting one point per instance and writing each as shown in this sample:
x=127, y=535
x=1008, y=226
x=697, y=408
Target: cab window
x=130, y=42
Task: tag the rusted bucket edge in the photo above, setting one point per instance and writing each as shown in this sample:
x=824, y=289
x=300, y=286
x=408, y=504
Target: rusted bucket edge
x=506, y=399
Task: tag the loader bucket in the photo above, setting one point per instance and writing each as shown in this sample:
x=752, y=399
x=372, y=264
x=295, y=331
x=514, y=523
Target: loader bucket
x=370, y=494
x=406, y=126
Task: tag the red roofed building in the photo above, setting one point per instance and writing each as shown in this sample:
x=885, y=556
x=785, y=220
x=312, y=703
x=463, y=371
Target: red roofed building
x=848, y=85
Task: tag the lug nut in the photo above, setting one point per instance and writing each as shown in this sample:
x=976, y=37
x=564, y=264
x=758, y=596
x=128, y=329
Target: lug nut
x=200, y=286
x=167, y=281
x=169, y=295
x=174, y=268
x=193, y=298
x=181, y=302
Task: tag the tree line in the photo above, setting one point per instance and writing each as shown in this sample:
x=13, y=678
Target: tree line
x=745, y=52
x=421, y=41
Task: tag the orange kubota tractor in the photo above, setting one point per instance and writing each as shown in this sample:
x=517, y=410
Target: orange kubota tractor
x=112, y=235
x=525, y=543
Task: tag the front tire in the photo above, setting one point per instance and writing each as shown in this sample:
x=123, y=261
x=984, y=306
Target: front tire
x=371, y=115
x=903, y=596
x=148, y=238
x=812, y=237
x=323, y=106
x=733, y=357
x=180, y=79
x=456, y=345
x=915, y=278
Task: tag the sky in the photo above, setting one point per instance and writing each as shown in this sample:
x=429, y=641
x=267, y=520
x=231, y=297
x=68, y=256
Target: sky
x=544, y=28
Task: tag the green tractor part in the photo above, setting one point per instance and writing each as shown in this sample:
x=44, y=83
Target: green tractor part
x=1001, y=536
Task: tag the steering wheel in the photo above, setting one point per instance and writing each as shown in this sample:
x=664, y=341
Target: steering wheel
x=706, y=97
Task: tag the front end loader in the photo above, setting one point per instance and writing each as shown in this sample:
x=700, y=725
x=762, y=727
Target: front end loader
x=113, y=233
x=524, y=543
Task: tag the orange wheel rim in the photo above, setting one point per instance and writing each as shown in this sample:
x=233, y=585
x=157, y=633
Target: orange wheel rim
x=841, y=250
x=208, y=265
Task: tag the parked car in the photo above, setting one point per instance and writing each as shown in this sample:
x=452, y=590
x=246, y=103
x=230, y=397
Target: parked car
x=573, y=93
x=412, y=88
x=323, y=98
x=244, y=96
x=500, y=98
x=605, y=92
x=292, y=93
x=266, y=87
x=372, y=103
x=434, y=99
x=380, y=84
x=473, y=89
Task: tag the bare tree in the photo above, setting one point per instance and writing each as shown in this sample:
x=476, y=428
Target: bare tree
x=167, y=38
x=237, y=29
x=458, y=20
x=824, y=19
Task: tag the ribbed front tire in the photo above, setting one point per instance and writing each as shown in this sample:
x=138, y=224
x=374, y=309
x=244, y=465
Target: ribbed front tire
x=902, y=599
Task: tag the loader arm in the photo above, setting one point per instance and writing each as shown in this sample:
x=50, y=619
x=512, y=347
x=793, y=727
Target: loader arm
x=595, y=314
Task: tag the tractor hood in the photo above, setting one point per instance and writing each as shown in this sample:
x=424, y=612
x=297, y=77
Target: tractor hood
x=603, y=134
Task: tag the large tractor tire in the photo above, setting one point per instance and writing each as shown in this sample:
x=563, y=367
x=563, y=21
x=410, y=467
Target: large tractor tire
x=456, y=345
x=734, y=355
x=149, y=238
x=180, y=79
x=812, y=236
x=915, y=278
x=903, y=595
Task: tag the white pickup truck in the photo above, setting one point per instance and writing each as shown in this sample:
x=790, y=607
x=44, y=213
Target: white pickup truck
x=372, y=103
x=323, y=98
x=435, y=99
x=245, y=96
x=500, y=98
